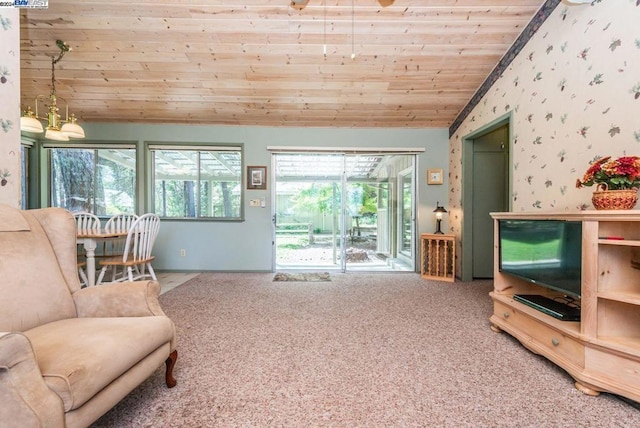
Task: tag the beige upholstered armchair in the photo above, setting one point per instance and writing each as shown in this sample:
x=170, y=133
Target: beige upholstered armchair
x=67, y=355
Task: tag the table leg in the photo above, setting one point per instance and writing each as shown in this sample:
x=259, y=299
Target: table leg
x=90, y=252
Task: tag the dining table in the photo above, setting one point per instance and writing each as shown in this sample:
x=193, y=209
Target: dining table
x=89, y=241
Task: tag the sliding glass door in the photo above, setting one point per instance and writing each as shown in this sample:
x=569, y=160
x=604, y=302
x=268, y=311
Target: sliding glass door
x=343, y=211
x=406, y=218
x=307, y=219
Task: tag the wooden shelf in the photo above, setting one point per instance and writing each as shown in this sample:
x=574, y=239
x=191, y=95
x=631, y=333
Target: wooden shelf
x=621, y=242
x=631, y=298
x=623, y=345
x=438, y=256
x=571, y=328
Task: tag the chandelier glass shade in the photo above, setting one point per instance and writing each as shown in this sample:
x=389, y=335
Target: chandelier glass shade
x=57, y=129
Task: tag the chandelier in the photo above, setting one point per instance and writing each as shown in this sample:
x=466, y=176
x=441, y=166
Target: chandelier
x=57, y=129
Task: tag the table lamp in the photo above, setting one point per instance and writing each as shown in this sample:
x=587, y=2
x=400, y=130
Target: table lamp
x=440, y=211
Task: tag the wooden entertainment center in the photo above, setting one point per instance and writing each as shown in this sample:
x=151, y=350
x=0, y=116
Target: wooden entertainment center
x=602, y=350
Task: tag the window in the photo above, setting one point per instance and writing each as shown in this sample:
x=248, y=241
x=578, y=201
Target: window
x=197, y=182
x=98, y=180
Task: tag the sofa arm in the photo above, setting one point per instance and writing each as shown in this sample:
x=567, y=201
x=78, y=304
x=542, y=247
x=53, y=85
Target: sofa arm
x=26, y=399
x=123, y=299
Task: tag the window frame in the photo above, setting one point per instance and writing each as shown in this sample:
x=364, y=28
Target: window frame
x=91, y=146
x=152, y=146
x=26, y=171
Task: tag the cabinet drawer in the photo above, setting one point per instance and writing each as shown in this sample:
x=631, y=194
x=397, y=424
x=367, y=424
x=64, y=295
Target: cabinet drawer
x=532, y=331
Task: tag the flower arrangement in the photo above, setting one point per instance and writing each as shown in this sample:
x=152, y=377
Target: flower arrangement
x=613, y=174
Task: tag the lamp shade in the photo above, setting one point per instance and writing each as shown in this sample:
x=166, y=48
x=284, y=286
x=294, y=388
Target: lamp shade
x=72, y=130
x=30, y=124
x=439, y=210
x=54, y=134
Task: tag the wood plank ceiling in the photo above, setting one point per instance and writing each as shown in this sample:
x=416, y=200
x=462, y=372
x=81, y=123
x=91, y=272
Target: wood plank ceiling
x=416, y=63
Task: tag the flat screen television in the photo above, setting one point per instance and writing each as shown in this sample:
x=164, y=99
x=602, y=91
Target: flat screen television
x=544, y=252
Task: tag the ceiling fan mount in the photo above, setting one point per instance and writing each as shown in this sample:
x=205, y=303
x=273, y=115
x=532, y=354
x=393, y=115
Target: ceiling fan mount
x=301, y=4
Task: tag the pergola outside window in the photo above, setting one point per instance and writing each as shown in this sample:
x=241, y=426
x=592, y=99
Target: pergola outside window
x=197, y=182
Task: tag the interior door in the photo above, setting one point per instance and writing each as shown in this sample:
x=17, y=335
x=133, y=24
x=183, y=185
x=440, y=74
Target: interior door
x=489, y=194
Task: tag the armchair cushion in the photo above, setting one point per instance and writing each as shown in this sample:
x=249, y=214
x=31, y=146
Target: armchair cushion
x=123, y=299
x=78, y=357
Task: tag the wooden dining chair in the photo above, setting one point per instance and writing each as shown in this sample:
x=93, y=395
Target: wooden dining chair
x=137, y=254
x=82, y=265
x=118, y=223
x=86, y=223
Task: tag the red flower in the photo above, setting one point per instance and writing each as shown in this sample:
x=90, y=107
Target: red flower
x=621, y=173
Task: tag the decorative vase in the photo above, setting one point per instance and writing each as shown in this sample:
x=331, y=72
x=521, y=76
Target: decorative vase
x=604, y=199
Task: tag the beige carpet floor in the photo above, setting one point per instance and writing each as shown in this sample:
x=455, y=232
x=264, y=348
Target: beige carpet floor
x=364, y=350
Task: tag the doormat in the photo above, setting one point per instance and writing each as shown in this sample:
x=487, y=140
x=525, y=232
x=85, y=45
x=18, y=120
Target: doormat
x=303, y=277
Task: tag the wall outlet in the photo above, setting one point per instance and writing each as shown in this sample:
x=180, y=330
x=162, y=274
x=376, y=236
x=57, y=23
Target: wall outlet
x=183, y=252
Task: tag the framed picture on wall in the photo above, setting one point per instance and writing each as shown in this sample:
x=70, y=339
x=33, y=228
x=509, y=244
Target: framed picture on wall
x=257, y=177
x=434, y=176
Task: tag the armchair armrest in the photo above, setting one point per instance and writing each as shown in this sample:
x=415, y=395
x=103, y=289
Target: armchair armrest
x=26, y=399
x=123, y=299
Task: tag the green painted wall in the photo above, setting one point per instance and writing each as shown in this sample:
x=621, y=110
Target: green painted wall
x=246, y=246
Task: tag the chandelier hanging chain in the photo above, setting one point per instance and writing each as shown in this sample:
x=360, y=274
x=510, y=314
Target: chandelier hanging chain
x=64, y=48
x=53, y=74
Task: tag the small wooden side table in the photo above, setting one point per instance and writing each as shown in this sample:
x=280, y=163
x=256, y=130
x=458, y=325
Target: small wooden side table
x=438, y=256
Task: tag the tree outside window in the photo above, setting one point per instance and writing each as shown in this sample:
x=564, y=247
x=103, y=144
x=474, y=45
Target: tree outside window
x=100, y=181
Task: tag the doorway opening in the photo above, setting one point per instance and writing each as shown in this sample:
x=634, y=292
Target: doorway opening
x=485, y=189
x=337, y=211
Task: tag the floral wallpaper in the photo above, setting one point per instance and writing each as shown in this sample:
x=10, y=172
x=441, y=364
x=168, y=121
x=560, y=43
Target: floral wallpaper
x=574, y=93
x=9, y=107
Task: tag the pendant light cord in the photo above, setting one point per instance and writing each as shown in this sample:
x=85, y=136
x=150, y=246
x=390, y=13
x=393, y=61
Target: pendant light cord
x=353, y=32
x=324, y=36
